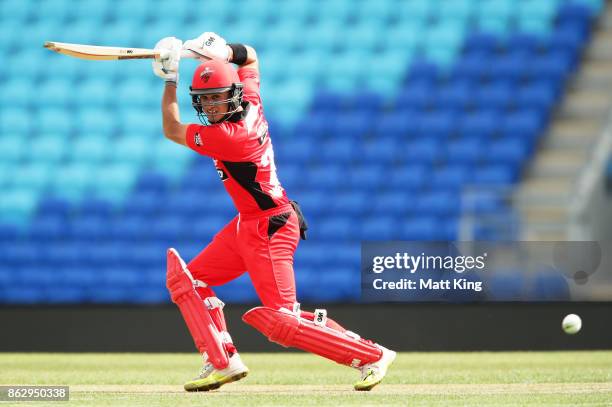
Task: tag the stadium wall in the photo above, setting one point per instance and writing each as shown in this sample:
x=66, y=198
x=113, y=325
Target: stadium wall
x=404, y=327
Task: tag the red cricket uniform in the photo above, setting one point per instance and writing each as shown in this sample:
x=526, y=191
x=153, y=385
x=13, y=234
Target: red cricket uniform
x=263, y=237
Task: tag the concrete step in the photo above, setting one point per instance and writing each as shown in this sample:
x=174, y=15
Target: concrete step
x=575, y=126
x=586, y=103
x=553, y=233
x=534, y=214
x=604, y=22
x=558, y=162
x=594, y=74
x=579, y=142
x=600, y=47
x=545, y=191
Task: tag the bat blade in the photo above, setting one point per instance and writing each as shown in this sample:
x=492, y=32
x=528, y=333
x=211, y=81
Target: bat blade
x=100, y=53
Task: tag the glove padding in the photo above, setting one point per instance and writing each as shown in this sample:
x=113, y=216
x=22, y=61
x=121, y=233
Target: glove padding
x=209, y=46
x=167, y=66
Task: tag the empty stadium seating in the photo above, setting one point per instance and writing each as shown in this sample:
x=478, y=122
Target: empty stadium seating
x=381, y=113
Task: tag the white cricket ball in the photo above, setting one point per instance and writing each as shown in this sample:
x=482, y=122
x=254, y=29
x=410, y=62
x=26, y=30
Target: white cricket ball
x=571, y=324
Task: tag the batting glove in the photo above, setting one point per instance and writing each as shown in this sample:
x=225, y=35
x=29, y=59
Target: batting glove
x=209, y=46
x=167, y=66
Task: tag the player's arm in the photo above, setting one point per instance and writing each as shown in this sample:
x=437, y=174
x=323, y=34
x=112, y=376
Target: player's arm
x=171, y=119
x=167, y=69
x=243, y=56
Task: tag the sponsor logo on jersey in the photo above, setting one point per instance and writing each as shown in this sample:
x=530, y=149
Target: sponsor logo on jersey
x=198, y=140
x=222, y=174
x=262, y=132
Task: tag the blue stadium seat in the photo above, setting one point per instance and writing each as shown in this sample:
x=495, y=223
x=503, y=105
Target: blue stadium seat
x=327, y=177
x=554, y=67
x=82, y=31
x=437, y=203
x=497, y=95
x=439, y=124
x=363, y=177
x=565, y=39
x=399, y=126
x=456, y=95
x=512, y=151
x=495, y=174
x=152, y=182
x=351, y=125
x=94, y=121
x=422, y=151
x=479, y=124
x=339, y=150
x=451, y=177
x=464, y=151
x=57, y=121
x=394, y=203
x=48, y=228
x=482, y=43
x=15, y=120
x=17, y=92
x=354, y=203
x=336, y=228
x=521, y=124
x=420, y=228
x=130, y=227
x=409, y=177
x=24, y=294
x=417, y=94
x=90, y=228
x=506, y=286
x=385, y=148
x=540, y=96
x=549, y=285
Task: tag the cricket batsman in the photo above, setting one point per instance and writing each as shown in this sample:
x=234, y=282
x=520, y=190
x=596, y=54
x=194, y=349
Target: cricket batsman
x=261, y=239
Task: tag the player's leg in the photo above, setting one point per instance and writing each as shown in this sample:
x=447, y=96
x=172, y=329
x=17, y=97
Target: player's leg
x=203, y=313
x=216, y=265
x=270, y=264
x=181, y=286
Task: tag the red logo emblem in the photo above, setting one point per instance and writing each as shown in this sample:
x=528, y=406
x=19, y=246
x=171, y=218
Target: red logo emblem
x=206, y=74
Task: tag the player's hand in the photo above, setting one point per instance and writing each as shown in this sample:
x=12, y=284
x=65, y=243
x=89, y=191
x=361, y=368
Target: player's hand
x=167, y=66
x=209, y=46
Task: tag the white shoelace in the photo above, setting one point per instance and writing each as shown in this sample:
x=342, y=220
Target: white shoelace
x=207, y=369
x=368, y=371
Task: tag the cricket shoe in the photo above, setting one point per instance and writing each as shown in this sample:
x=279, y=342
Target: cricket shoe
x=373, y=373
x=211, y=378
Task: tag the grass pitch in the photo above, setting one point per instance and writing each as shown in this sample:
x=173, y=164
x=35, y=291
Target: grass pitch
x=297, y=379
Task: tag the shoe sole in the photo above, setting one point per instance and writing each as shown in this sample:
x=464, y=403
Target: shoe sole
x=368, y=388
x=216, y=385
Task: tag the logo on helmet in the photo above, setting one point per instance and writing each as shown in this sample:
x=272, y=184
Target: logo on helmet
x=206, y=74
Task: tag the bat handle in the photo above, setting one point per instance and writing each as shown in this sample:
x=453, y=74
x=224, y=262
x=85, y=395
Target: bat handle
x=189, y=54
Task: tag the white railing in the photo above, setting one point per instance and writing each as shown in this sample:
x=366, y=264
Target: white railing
x=590, y=210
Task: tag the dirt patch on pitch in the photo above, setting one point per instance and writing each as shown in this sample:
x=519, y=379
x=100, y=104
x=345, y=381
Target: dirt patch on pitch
x=389, y=389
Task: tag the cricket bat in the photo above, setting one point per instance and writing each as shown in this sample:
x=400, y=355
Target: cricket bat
x=99, y=53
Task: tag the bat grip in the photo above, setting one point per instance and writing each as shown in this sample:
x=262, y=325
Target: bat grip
x=189, y=54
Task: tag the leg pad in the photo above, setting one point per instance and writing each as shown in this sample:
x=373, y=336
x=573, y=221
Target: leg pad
x=286, y=329
x=206, y=336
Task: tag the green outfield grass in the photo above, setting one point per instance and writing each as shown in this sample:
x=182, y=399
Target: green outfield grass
x=415, y=379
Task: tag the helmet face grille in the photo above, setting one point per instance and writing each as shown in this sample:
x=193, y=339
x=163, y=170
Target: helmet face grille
x=234, y=102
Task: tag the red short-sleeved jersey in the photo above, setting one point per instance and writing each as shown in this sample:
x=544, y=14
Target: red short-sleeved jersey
x=242, y=152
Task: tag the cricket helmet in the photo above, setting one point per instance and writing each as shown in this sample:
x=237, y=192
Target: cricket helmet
x=212, y=77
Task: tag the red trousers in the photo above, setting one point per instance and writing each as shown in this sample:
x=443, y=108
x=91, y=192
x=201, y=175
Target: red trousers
x=264, y=246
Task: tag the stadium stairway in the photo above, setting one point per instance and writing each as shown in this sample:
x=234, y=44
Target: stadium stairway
x=544, y=195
